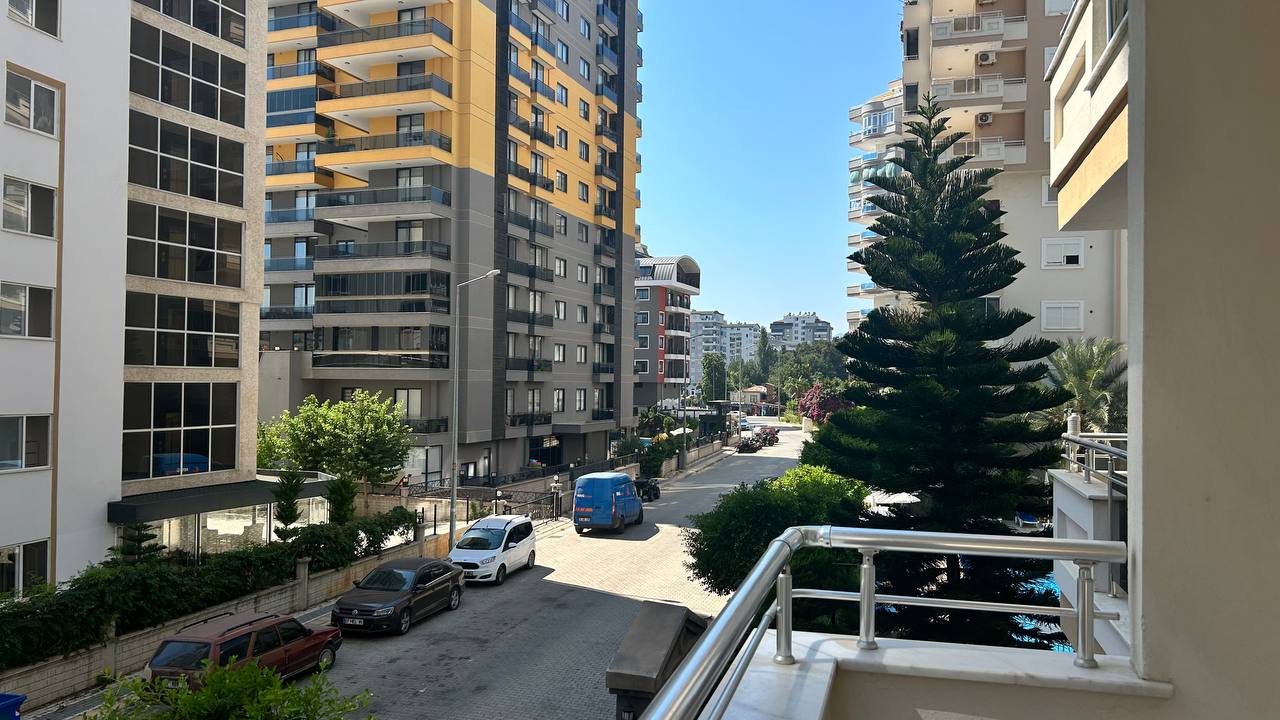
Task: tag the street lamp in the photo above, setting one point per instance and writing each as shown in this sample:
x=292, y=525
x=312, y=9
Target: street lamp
x=455, y=345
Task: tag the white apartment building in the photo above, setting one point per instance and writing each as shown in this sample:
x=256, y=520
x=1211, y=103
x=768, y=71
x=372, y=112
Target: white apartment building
x=742, y=341
x=796, y=329
x=708, y=337
x=131, y=193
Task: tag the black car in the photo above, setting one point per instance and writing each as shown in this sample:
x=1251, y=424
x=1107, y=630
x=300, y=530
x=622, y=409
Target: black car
x=397, y=593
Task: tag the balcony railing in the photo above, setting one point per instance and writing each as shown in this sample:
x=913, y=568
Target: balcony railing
x=311, y=19
x=605, y=210
x=964, y=26
x=358, y=251
x=430, y=26
x=526, y=364
x=518, y=72
x=378, y=196
x=379, y=361
x=602, y=414
x=290, y=215
x=383, y=142
x=607, y=91
x=425, y=305
x=533, y=418
x=605, y=250
x=528, y=223
x=524, y=173
x=519, y=267
x=602, y=328
x=603, y=289
x=544, y=42
x=427, y=425
x=283, y=264
x=1104, y=458
x=549, y=8
x=289, y=167
x=602, y=368
x=607, y=132
x=606, y=13
x=544, y=89
x=403, y=83
x=606, y=171
x=520, y=24
x=299, y=69
x=606, y=54
x=528, y=317
x=287, y=312
x=717, y=653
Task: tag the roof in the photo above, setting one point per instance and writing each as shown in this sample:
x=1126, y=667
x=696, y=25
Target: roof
x=498, y=520
x=756, y=388
x=218, y=625
x=149, y=507
x=664, y=268
x=604, y=476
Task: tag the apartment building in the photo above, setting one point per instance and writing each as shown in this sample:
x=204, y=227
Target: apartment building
x=742, y=341
x=707, y=337
x=795, y=329
x=664, y=290
x=129, y=203
x=414, y=147
x=985, y=61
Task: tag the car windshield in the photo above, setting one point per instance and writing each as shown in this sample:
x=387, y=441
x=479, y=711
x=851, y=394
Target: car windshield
x=182, y=654
x=481, y=539
x=389, y=579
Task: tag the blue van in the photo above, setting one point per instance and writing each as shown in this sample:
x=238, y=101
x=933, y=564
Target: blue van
x=606, y=500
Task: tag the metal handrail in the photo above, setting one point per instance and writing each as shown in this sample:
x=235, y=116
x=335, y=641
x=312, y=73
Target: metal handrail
x=695, y=680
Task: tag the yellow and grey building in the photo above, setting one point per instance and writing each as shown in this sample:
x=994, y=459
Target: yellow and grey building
x=413, y=146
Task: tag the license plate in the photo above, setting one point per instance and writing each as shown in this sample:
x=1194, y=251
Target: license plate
x=352, y=621
x=584, y=519
x=470, y=574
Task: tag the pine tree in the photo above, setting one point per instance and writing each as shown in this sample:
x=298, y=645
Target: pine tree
x=137, y=543
x=942, y=409
x=286, y=493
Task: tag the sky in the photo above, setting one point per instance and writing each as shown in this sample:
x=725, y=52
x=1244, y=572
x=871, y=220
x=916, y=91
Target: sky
x=745, y=146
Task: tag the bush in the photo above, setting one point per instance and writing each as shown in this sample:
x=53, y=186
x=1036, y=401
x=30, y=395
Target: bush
x=657, y=453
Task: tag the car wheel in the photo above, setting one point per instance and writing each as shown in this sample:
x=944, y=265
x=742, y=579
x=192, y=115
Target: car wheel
x=327, y=657
x=579, y=529
x=657, y=493
x=501, y=577
x=640, y=517
x=529, y=565
x=455, y=598
x=406, y=619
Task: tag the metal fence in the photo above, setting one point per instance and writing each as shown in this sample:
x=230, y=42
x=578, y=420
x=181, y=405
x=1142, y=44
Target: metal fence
x=1104, y=458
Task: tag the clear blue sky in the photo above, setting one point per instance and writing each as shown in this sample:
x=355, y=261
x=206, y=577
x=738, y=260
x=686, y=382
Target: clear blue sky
x=746, y=143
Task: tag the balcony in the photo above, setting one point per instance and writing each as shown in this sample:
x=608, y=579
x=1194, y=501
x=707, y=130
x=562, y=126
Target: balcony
x=437, y=304
x=639, y=21
x=528, y=317
x=358, y=156
x=980, y=91
x=604, y=211
x=639, y=56
x=368, y=251
x=289, y=215
x=534, y=131
x=519, y=23
x=357, y=103
x=989, y=152
x=521, y=220
x=311, y=19
x=604, y=290
x=380, y=361
x=288, y=264
x=358, y=50
x=604, y=250
x=296, y=127
x=360, y=207
x=983, y=27
x=528, y=419
x=607, y=57
x=544, y=90
x=602, y=414
x=297, y=31
x=607, y=17
x=524, y=269
x=287, y=312
x=602, y=328
x=601, y=368
x=639, y=91
x=526, y=364
x=607, y=133
x=606, y=171
x=297, y=175
x=608, y=92
x=547, y=9
x=361, y=12
x=427, y=425
x=543, y=43
x=523, y=173
x=302, y=69
x=865, y=289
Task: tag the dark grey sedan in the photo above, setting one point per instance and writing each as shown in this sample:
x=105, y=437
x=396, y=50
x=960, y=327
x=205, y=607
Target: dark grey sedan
x=398, y=593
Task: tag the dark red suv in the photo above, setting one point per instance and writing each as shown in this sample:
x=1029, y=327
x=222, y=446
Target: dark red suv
x=280, y=643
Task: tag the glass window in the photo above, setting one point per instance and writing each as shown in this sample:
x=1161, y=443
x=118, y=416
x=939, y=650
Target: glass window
x=28, y=207
x=39, y=14
x=178, y=428
x=24, y=441
x=26, y=311
x=30, y=104
x=1061, y=315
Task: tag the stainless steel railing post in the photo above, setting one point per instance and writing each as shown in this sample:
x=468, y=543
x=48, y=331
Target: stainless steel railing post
x=783, y=655
x=1084, y=615
x=867, y=601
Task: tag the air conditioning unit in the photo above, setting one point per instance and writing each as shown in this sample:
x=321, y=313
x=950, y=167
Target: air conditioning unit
x=986, y=118
x=987, y=57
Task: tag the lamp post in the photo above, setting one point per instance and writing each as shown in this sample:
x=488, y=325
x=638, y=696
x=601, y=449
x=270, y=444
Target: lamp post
x=453, y=420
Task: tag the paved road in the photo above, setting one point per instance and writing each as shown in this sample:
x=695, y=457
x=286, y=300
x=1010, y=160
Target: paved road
x=538, y=646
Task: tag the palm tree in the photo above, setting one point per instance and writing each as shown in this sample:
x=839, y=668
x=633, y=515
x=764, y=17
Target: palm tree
x=1093, y=370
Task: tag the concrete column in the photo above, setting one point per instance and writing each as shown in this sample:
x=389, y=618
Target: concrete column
x=301, y=587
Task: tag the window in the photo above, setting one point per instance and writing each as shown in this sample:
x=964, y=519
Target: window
x=227, y=23
x=562, y=9
x=1048, y=56
x=580, y=399
x=562, y=51
x=1048, y=193
x=990, y=305
x=558, y=352
x=584, y=28
x=178, y=428
x=562, y=310
x=584, y=192
x=582, y=232
x=39, y=14
x=581, y=354
x=584, y=68
x=584, y=151
x=174, y=245
x=1061, y=253
x=291, y=630
x=662, y=319
x=642, y=294
x=582, y=273
x=582, y=313
x=24, y=441
x=30, y=104
x=28, y=208
x=562, y=184
x=562, y=268
x=537, y=163
x=25, y=311
x=1048, y=127
x=189, y=76
x=1061, y=315
x=557, y=400
x=188, y=162
x=409, y=401
x=642, y=342
x=23, y=567
x=180, y=332
x=534, y=399
x=584, y=110
x=562, y=224
x=642, y=317
x=510, y=395
x=265, y=641
x=1057, y=7
x=562, y=138
x=562, y=93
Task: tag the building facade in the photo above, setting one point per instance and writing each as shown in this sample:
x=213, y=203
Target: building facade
x=707, y=338
x=414, y=148
x=795, y=329
x=132, y=191
x=742, y=341
x=664, y=290
x=985, y=62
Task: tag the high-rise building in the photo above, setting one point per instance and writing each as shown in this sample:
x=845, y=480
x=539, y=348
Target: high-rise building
x=795, y=329
x=129, y=203
x=414, y=148
x=742, y=341
x=664, y=290
x=986, y=64
x=708, y=338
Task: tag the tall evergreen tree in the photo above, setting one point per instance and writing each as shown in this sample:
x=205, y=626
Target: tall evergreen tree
x=942, y=409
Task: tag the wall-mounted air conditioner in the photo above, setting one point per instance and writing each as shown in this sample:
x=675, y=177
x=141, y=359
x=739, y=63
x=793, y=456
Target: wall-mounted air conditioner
x=987, y=57
x=986, y=118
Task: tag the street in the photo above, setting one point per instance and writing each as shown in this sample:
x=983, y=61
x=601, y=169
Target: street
x=538, y=646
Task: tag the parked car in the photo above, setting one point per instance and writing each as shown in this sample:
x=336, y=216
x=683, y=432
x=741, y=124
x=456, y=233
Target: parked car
x=278, y=642
x=494, y=546
x=649, y=489
x=397, y=594
x=743, y=425
x=606, y=500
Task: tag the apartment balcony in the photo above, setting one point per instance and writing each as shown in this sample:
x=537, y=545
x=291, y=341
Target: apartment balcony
x=528, y=419
x=287, y=312
x=535, y=132
x=427, y=425
x=863, y=239
x=607, y=58
x=989, y=152
x=528, y=317
x=608, y=92
x=515, y=169
x=395, y=360
x=347, y=257
x=296, y=75
x=603, y=414
x=862, y=211
x=604, y=290
x=602, y=328
x=639, y=56
x=358, y=50
x=527, y=364
x=872, y=159
x=871, y=137
x=983, y=28
x=537, y=226
x=608, y=133
x=856, y=318
x=603, y=170
x=865, y=289
x=607, y=18
x=297, y=126
x=361, y=12
x=358, y=156
x=288, y=270
x=605, y=249
x=601, y=369
x=606, y=213
x=543, y=44
x=639, y=21
x=360, y=207
x=518, y=73
x=546, y=9
x=980, y=93
x=519, y=23
x=297, y=32
x=519, y=268
x=339, y=311
x=544, y=90
x=297, y=175
x=358, y=103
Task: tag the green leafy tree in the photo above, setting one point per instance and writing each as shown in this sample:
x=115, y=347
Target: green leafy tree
x=137, y=543
x=272, y=448
x=373, y=440
x=766, y=356
x=818, y=362
x=1093, y=371
x=287, y=492
x=714, y=377
x=945, y=398
x=311, y=436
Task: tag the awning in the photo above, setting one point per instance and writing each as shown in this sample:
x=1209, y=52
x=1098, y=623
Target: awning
x=149, y=507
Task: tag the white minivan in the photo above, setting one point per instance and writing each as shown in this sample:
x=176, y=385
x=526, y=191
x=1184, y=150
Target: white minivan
x=493, y=547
